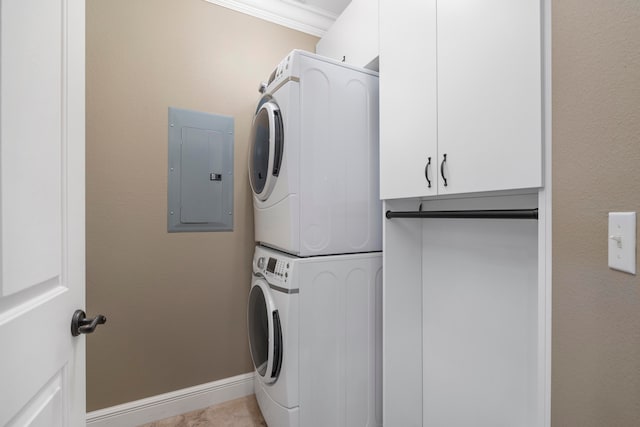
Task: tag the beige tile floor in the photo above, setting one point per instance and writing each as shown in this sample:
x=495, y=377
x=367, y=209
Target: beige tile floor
x=243, y=412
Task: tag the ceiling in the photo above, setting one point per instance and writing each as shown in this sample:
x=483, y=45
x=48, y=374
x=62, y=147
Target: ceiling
x=309, y=16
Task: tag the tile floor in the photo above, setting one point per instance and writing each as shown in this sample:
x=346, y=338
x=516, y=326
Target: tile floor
x=243, y=412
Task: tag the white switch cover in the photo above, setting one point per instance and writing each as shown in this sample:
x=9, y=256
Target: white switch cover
x=622, y=241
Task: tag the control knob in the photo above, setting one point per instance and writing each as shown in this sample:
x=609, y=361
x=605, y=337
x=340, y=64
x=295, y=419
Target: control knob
x=260, y=263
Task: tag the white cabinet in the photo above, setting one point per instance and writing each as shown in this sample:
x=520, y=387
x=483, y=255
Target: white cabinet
x=408, y=98
x=466, y=313
x=465, y=317
x=353, y=38
x=461, y=80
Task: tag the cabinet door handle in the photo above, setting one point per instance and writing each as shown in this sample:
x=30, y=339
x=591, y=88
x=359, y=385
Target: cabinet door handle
x=444, y=160
x=426, y=172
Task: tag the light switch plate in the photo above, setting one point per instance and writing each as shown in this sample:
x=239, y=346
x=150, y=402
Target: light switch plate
x=622, y=241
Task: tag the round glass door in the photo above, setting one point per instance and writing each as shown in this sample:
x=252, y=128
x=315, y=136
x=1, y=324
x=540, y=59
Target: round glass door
x=265, y=333
x=265, y=152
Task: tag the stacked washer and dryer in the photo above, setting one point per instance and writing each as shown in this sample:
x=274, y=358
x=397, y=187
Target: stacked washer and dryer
x=314, y=312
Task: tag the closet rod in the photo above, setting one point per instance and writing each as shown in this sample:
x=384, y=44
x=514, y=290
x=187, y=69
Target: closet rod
x=480, y=214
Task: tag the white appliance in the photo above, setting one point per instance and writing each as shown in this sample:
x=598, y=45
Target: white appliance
x=315, y=334
x=313, y=159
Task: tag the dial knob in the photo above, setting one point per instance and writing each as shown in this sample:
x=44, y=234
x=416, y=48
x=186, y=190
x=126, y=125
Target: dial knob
x=261, y=262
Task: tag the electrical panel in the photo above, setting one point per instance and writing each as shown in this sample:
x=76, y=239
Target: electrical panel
x=200, y=169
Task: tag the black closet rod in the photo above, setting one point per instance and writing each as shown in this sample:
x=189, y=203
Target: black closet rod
x=480, y=214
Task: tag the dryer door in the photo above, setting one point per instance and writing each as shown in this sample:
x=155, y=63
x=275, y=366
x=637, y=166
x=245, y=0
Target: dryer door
x=265, y=152
x=265, y=332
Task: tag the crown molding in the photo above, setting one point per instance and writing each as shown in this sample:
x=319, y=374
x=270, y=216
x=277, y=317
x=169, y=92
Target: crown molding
x=288, y=13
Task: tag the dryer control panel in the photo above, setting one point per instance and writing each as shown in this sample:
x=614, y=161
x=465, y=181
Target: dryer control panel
x=282, y=68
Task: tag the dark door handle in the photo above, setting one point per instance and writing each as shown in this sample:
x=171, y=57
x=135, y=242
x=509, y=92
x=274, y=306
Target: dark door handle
x=426, y=172
x=444, y=160
x=81, y=325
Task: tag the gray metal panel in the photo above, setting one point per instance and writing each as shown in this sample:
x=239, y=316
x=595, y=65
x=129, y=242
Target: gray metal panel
x=200, y=185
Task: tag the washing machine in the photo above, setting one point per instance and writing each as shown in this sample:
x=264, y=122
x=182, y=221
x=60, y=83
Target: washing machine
x=273, y=313
x=315, y=336
x=313, y=158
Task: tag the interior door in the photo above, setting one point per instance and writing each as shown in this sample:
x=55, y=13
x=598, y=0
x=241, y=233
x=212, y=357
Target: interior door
x=42, y=378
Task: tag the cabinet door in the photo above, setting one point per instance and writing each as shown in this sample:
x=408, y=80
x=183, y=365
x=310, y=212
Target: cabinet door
x=408, y=119
x=353, y=38
x=489, y=94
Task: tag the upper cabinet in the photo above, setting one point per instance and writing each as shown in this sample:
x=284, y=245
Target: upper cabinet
x=460, y=96
x=353, y=38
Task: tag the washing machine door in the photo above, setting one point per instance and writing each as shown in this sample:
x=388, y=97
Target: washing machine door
x=265, y=151
x=265, y=332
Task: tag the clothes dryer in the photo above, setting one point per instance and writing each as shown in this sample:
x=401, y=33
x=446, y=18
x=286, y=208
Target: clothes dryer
x=315, y=335
x=313, y=158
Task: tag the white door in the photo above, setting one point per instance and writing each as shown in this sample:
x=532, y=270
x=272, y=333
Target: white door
x=408, y=99
x=489, y=95
x=42, y=378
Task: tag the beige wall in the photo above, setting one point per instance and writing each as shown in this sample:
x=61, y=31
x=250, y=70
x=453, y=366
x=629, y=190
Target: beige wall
x=596, y=169
x=175, y=302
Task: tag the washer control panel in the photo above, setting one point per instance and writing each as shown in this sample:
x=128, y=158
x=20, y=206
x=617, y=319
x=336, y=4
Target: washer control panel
x=273, y=268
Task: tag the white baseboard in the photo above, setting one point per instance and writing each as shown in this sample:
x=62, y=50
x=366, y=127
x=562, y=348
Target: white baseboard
x=177, y=402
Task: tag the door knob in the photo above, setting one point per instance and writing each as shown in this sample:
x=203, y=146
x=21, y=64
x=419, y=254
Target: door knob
x=81, y=325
